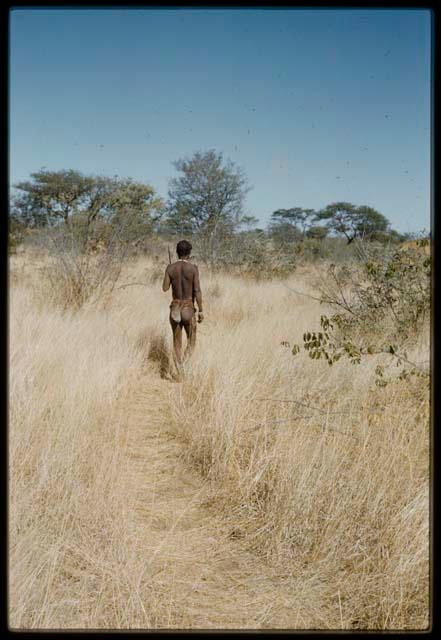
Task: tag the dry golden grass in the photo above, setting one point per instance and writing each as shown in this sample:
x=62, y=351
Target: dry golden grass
x=136, y=501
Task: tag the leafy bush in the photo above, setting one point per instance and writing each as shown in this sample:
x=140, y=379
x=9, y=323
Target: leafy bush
x=390, y=291
x=391, y=286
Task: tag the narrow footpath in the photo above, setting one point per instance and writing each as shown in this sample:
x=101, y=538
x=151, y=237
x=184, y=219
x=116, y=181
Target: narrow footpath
x=211, y=581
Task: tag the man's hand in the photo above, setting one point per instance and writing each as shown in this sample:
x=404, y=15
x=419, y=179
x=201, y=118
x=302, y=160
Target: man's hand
x=200, y=316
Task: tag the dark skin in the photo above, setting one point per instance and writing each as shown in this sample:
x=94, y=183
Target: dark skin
x=183, y=277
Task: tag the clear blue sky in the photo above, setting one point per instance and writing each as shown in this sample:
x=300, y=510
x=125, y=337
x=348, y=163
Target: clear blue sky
x=315, y=105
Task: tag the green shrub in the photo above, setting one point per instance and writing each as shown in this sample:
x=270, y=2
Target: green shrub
x=382, y=301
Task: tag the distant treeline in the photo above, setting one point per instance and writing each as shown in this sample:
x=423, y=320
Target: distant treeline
x=206, y=201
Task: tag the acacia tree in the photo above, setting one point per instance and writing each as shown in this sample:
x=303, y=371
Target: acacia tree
x=52, y=196
x=135, y=208
x=284, y=232
x=207, y=199
x=99, y=198
x=24, y=211
x=248, y=223
x=296, y=216
x=68, y=196
x=317, y=232
x=353, y=222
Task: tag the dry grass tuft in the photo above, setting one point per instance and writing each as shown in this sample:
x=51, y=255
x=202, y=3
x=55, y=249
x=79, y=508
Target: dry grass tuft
x=159, y=352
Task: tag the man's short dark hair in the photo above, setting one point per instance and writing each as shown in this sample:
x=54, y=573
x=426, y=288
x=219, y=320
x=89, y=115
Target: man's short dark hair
x=183, y=248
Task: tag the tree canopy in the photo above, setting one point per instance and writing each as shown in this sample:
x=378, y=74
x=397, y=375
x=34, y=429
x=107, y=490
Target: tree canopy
x=210, y=192
x=284, y=232
x=206, y=199
x=296, y=216
x=51, y=196
x=353, y=221
x=54, y=197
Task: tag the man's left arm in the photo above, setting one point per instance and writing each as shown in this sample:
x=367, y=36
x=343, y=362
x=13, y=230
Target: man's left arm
x=197, y=293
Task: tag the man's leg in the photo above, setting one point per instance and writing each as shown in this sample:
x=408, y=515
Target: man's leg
x=190, y=330
x=177, y=340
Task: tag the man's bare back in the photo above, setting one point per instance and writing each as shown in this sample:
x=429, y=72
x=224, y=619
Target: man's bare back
x=183, y=277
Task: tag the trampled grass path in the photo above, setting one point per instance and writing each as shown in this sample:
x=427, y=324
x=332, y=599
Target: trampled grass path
x=201, y=577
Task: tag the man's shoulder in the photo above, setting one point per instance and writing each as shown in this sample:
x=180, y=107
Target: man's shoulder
x=183, y=262
x=186, y=265
x=190, y=265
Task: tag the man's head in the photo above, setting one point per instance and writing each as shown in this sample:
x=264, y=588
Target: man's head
x=183, y=249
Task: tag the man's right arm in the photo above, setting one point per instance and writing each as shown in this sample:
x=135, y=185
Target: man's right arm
x=166, y=282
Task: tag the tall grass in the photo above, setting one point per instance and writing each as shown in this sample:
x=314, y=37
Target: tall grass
x=75, y=556
x=335, y=488
x=316, y=471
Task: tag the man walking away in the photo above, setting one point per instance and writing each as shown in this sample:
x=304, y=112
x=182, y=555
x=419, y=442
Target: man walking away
x=183, y=276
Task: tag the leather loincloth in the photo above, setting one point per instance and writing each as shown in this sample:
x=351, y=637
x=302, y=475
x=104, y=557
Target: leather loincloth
x=177, y=305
